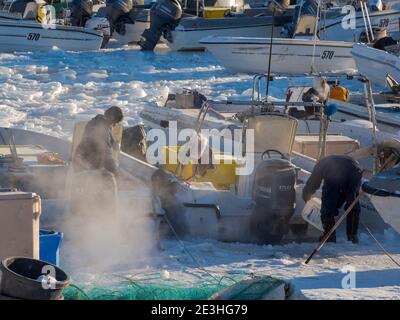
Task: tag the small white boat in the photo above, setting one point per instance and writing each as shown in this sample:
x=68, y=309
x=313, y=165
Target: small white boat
x=289, y=56
x=191, y=30
x=384, y=191
x=21, y=31
x=377, y=64
x=136, y=19
x=332, y=27
x=224, y=18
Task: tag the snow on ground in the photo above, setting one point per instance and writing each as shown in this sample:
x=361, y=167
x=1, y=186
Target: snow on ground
x=376, y=277
x=47, y=92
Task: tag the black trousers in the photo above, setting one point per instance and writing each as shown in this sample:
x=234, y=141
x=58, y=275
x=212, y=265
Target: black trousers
x=334, y=196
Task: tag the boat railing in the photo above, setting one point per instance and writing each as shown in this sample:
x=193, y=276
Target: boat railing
x=6, y=5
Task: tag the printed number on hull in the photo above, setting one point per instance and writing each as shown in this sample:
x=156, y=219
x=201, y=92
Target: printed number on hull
x=327, y=55
x=33, y=37
x=384, y=23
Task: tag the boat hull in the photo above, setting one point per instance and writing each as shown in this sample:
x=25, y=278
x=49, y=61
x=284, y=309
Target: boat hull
x=20, y=35
x=188, y=37
x=289, y=56
x=133, y=32
x=388, y=210
x=376, y=64
x=335, y=31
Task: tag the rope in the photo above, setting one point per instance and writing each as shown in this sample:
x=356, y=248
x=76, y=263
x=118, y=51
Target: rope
x=380, y=245
x=190, y=254
x=80, y=290
x=313, y=69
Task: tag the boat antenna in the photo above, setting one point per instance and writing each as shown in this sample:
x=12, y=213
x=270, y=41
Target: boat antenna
x=275, y=7
x=313, y=69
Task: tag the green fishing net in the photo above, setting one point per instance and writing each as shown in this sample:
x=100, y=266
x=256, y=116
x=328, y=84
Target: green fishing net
x=157, y=287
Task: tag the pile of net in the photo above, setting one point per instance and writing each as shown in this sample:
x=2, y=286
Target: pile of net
x=157, y=287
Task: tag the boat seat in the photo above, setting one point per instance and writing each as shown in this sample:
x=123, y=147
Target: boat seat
x=272, y=131
x=31, y=11
x=305, y=26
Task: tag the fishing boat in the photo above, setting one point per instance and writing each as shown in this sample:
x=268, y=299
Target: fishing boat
x=378, y=64
x=288, y=56
x=224, y=20
x=331, y=24
x=21, y=31
x=124, y=21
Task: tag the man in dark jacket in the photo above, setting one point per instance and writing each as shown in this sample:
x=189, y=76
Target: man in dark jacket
x=342, y=181
x=95, y=151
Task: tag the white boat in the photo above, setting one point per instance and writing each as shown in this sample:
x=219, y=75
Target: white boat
x=136, y=21
x=384, y=191
x=225, y=18
x=332, y=28
x=289, y=56
x=20, y=31
x=189, y=32
x=377, y=64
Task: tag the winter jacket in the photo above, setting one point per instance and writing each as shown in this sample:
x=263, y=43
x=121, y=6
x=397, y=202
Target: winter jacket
x=95, y=151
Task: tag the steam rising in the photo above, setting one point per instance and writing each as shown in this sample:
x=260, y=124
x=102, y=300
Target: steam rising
x=107, y=229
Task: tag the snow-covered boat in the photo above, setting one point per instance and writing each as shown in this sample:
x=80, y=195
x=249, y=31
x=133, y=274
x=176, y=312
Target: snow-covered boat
x=377, y=64
x=20, y=31
x=384, y=191
x=289, y=56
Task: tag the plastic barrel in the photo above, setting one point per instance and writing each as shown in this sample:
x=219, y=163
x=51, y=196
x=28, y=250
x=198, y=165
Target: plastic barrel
x=20, y=279
x=50, y=242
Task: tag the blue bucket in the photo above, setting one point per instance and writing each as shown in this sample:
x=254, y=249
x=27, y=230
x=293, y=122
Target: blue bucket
x=50, y=242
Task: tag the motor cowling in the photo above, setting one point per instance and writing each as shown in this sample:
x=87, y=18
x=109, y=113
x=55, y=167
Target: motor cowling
x=118, y=14
x=275, y=196
x=81, y=12
x=164, y=17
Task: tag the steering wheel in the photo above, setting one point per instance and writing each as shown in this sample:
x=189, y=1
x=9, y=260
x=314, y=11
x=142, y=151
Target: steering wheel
x=268, y=152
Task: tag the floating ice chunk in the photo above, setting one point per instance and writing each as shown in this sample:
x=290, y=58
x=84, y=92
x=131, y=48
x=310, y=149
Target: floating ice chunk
x=100, y=74
x=9, y=116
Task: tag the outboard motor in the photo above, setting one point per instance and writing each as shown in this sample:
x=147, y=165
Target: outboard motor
x=164, y=17
x=275, y=196
x=81, y=12
x=118, y=14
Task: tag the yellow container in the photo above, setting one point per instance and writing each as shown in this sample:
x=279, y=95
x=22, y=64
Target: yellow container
x=339, y=93
x=215, y=13
x=222, y=174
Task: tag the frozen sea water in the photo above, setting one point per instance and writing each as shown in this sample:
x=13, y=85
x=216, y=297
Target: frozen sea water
x=48, y=91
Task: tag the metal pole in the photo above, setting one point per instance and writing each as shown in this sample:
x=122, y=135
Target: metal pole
x=270, y=53
x=373, y=120
x=365, y=22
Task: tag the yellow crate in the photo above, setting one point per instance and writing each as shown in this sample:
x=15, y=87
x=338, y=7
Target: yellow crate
x=214, y=13
x=222, y=175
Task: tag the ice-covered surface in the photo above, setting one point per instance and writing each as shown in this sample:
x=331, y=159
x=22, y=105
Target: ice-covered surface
x=46, y=92
x=376, y=276
x=43, y=91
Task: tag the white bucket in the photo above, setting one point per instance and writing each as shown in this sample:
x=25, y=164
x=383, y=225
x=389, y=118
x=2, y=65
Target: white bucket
x=312, y=213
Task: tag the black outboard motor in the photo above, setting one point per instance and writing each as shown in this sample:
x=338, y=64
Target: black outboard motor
x=19, y=6
x=275, y=196
x=164, y=17
x=118, y=14
x=81, y=12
